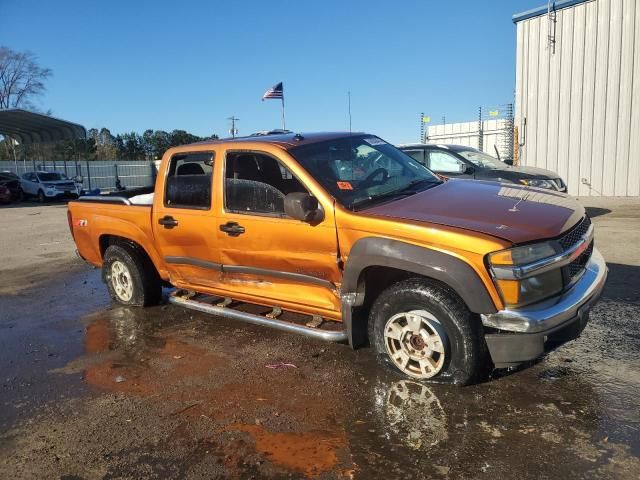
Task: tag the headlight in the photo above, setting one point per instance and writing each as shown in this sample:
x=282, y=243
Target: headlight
x=516, y=287
x=538, y=183
x=523, y=255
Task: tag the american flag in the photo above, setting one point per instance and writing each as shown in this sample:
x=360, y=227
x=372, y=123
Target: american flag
x=274, y=92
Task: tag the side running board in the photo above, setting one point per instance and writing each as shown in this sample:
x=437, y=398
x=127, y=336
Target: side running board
x=201, y=306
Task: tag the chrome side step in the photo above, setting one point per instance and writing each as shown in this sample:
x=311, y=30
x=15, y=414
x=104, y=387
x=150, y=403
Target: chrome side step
x=327, y=335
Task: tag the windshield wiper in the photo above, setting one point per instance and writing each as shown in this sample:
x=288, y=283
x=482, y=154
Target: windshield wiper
x=406, y=191
x=426, y=181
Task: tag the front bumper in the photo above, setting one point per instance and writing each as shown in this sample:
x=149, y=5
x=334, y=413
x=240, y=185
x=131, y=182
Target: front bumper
x=526, y=333
x=61, y=194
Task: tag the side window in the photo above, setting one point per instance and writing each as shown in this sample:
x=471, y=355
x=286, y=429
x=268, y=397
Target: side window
x=416, y=155
x=189, y=181
x=256, y=183
x=444, y=162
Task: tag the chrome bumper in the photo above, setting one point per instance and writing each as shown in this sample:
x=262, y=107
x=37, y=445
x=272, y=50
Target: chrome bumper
x=555, y=311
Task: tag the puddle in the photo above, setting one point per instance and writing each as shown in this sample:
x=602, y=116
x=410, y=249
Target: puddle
x=207, y=393
x=309, y=453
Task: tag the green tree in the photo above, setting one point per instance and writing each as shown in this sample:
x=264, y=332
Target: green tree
x=182, y=137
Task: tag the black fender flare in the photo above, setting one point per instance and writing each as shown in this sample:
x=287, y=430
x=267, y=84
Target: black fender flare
x=375, y=251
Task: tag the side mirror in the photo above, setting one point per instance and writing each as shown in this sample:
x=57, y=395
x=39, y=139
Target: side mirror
x=303, y=207
x=78, y=179
x=469, y=170
x=509, y=161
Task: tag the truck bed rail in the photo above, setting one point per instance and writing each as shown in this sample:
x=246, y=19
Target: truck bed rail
x=105, y=199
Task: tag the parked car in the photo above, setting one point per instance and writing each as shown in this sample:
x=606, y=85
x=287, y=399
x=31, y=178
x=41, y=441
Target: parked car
x=5, y=194
x=445, y=280
x=49, y=185
x=12, y=182
x=459, y=161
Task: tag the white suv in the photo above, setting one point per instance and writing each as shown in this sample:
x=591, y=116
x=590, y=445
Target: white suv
x=49, y=185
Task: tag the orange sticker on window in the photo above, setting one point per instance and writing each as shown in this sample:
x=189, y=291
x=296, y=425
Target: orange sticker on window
x=345, y=186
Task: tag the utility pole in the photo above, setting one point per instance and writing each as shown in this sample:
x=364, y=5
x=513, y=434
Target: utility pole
x=233, y=130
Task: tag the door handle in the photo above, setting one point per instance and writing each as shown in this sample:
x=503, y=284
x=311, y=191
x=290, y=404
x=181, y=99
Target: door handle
x=233, y=229
x=168, y=222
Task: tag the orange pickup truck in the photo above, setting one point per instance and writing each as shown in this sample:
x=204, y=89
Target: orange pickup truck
x=343, y=237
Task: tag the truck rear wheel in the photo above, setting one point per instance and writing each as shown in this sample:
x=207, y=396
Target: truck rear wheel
x=131, y=277
x=425, y=331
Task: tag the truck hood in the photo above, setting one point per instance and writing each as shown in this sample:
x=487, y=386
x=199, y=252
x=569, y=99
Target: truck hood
x=514, y=213
x=528, y=171
x=534, y=172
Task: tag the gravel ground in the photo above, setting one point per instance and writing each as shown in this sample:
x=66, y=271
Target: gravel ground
x=91, y=390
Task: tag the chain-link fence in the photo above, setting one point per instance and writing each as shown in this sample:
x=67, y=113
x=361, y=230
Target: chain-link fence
x=104, y=175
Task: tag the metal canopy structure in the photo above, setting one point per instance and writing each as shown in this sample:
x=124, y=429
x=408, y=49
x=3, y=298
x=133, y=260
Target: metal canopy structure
x=28, y=127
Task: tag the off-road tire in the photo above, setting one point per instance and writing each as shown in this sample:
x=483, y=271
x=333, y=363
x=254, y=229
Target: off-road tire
x=466, y=356
x=144, y=279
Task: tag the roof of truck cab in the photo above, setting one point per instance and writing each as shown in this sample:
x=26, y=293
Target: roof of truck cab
x=286, y=141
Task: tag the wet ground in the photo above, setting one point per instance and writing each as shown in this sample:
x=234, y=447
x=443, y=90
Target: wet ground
x=90, y=390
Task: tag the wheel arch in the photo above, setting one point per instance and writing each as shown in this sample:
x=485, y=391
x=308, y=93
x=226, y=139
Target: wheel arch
x=107, y=239
x=375, y=263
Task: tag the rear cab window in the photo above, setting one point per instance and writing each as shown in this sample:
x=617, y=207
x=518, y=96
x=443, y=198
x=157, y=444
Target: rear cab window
x=189, y=180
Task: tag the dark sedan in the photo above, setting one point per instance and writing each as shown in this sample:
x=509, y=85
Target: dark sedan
x=12, y=182
x=459, y=161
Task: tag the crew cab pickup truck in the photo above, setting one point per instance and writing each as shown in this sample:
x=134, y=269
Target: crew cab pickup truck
x=345, y=238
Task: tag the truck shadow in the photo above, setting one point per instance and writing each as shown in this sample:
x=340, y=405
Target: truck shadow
x=622, y=283
x=596, y=211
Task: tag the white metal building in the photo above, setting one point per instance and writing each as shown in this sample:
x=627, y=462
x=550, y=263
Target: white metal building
x=578, y=93
x=468, y=133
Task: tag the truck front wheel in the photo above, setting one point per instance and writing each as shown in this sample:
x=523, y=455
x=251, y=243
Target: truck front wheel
x=130, y=277
x=425, y=331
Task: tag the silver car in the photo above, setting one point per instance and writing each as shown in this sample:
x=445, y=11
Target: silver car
x=48, y=186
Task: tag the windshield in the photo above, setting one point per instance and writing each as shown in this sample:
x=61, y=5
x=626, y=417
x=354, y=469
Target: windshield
x=482, y=160
x=51, y=176
x=361, y=170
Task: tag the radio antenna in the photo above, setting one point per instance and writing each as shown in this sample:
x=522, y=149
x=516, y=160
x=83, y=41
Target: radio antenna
x=349, y=108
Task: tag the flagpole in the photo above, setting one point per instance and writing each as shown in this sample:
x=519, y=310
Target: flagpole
x=283, y=122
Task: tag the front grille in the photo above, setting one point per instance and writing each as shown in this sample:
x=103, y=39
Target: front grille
x=572, y=271
x=576, y=267
x=65, y=187
x=575, y=234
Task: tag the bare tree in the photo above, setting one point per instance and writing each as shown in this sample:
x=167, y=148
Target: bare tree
x=21, y=79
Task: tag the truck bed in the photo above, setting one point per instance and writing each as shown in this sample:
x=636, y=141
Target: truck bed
x=120, y=197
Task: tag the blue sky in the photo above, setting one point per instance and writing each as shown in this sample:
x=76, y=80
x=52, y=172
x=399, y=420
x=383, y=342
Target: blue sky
x=133, y=65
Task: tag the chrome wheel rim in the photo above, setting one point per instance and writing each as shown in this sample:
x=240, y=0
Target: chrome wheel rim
x=121, y=281
x=416, y=343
